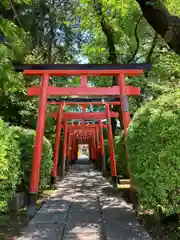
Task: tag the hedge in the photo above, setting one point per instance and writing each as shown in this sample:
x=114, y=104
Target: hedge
x=153, y=141
x=120, y=154
x=9, y=165
x=16, y=150
x=26, y=143
x=106, y=149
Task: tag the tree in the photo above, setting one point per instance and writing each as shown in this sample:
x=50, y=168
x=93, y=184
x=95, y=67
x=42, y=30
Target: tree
x=122, y=35
x=44, y=38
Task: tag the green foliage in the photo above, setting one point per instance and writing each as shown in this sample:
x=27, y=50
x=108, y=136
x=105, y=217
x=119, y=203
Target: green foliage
x=26, y=142
x=120, y=154
x=153, y=150
x=106, y=148
x=130, y=34
x=9, y=165
x=16, y=149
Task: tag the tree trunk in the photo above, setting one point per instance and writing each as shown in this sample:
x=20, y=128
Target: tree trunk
x=165, y=24
x=109, y=33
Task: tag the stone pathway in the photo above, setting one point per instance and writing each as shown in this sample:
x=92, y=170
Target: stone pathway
x=85, y=207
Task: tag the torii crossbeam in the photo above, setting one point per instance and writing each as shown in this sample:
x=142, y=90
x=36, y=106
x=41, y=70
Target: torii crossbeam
x=87, y=115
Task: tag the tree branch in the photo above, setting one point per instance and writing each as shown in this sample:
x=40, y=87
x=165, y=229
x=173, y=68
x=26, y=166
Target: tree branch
x=137, y=40
x=165, y=24
x=151, y=50
x=108, y=32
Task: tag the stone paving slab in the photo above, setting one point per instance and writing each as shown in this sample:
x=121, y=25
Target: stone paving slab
x=82, y=236
x=85, y=207
x=84, y=217
x=42, y=231
x=50, y=217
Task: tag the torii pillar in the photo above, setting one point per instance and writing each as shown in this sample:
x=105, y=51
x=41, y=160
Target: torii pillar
x=36, y=162
x=57, y=145
x=103, y=158
x=111, y=147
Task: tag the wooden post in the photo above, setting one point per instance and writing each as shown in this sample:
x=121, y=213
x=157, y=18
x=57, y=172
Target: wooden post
x=36, y=162
x=57, y=145
x=103, y=158
x=111, y=147
x=64, y=159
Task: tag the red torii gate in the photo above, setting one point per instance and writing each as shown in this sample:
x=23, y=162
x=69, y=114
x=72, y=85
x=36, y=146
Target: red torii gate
x=84, y=70
x=88, y=115
x=96, y=146
x=81, y=115
x=59, y=116
x=89, y=131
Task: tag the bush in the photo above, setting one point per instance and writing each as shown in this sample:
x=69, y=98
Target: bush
x=26, y=142
x=106, y=149
x=120, y=153
x=9, y=165
x=154, y=154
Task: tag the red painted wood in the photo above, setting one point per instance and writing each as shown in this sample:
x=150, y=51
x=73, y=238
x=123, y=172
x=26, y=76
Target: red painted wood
x=101, y=139
x=69, y=144
x=111, y=144
x=73, y=148
x=84, y=112
x=87, y=126
x=125, y=116
x=84, y=81
x=94, y=156
x=83, y=91
x=123, y=92
x=57, y=141
x=87, y=115
x=98, y=145
x=36, y=162
x=65, y=143
x=108, y=72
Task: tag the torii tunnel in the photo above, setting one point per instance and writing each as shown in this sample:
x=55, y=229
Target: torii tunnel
x=91, y=134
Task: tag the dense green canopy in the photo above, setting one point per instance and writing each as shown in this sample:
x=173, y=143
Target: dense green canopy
x=93, y=31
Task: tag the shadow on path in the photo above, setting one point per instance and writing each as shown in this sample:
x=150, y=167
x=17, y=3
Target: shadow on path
x=85, y=207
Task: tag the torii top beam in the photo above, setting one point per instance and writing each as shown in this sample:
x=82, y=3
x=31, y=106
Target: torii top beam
x=85, y=70
x=82, y=69
x=84, y=91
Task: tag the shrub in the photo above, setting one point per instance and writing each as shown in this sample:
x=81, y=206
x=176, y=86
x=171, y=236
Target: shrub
x=120, y=154
x=9, y=165
x=26, y=142
x=154, y=154
x=106, y=149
